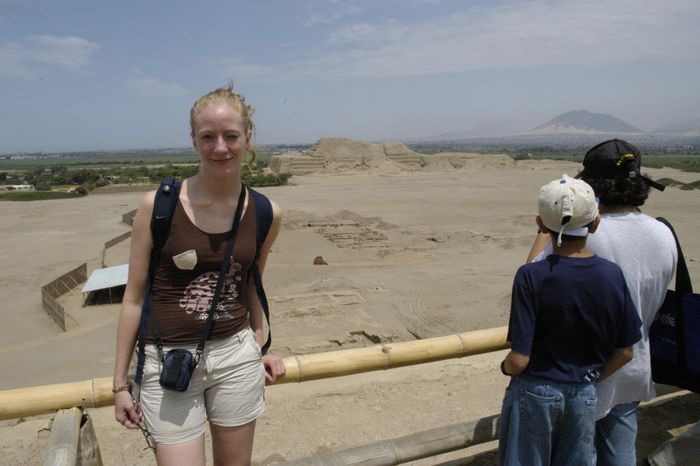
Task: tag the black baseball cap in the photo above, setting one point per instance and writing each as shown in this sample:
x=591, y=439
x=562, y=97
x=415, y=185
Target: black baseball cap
x=615, y=159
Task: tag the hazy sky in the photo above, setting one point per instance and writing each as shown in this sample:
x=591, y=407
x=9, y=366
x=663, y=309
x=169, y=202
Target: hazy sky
x=121, y=74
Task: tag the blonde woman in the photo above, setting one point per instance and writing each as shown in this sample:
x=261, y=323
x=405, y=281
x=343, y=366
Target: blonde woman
x=228, y=383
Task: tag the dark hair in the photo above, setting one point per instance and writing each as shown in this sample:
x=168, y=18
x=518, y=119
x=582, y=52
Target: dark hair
x=554, y=235
x=618, y=191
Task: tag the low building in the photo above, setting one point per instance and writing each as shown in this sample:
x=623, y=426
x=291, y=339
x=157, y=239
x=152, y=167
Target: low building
x=17, y=187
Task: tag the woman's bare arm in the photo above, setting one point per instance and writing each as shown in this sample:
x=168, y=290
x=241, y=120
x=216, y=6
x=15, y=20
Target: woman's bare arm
x=129, y=318
x=273, y=364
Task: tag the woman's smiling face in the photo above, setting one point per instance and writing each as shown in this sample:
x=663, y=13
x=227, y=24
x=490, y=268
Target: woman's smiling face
x=220, y=138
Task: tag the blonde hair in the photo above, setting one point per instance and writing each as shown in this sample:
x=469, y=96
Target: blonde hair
x=227, y=95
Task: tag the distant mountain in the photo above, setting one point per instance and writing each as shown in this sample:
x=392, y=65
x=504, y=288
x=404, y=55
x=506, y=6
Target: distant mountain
x=470, y=134
x=487, y=129
x=576, y=129
x=685, y=128
x=582, y=121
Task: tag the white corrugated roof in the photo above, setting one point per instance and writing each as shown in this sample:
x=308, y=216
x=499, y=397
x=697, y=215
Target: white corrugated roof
x=107, y=278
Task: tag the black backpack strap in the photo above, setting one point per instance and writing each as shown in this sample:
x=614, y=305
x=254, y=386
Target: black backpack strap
x=263, y=221
x=163, y=209
x=683, y=285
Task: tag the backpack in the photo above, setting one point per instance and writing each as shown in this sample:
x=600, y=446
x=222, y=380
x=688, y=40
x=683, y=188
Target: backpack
x=163, y=210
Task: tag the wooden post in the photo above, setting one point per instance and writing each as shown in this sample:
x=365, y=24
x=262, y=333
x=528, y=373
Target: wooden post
x=89, y=449
x=64, y=439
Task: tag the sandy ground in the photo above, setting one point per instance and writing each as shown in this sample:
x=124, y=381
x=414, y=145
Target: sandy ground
x=410, y=255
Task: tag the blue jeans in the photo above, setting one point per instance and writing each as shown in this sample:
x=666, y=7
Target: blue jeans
x=615, y=436
x=547, y=423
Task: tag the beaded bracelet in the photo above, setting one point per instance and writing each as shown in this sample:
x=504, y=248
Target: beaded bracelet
x=122, y=388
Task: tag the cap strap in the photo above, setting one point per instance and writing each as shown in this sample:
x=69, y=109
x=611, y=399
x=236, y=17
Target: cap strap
x=653, y=183
x=561, y=231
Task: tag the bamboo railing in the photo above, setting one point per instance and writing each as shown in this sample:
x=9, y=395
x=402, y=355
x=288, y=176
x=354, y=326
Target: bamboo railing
x=409, y=447
x=30, y=401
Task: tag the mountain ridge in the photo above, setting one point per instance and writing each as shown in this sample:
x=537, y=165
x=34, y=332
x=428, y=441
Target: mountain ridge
x=576, y=121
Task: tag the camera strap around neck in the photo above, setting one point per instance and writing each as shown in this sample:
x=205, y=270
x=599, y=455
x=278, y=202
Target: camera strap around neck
x=217, y=291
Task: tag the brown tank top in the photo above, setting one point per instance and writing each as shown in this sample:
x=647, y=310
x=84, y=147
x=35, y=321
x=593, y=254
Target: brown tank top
x=186, y=275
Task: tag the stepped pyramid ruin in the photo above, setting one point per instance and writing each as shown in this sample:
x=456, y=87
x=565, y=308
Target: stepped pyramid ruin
x=338, y=155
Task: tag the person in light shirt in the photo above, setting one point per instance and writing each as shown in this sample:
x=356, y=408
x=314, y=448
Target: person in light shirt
x=645, y=250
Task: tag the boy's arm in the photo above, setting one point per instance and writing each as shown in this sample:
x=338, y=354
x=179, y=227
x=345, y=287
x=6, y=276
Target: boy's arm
x=521, y=325
x=617, y=359
x=515, y=363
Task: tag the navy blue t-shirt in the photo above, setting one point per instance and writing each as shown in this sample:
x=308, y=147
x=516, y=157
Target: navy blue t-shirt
x=569, y=314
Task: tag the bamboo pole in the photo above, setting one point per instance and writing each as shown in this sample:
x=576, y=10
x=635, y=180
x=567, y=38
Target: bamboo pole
x=30, y=401
x=385, y=356
x=64, y=439
x=94, y=393
x=410, y=447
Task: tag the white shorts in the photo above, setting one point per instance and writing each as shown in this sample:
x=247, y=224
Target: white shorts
x=227, y=388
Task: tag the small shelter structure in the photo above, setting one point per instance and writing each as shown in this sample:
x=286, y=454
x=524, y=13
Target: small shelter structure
x=106, y=286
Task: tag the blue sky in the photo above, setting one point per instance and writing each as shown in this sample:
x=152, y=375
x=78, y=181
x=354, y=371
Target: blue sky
x=93, y=74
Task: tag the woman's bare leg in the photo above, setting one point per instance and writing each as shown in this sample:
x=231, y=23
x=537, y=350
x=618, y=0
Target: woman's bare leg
x=185, y=454
x=233, y=446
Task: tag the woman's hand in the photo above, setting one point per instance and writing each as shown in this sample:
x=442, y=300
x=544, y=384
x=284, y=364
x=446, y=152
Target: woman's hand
x=274, y=367
x=124, y=411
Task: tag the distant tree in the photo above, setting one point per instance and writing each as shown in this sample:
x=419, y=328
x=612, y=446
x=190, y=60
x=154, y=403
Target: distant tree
x=265, y=180
x=3, y=177
x=86, y=176
x=521, y=155
x=29, y=178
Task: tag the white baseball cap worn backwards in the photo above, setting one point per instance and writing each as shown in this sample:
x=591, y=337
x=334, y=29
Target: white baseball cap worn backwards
x=567, y=206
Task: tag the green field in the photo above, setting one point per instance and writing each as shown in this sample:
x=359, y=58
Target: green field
x=36, y=195
x=130, y=171
x=106, y=161
x=79, y=162
x=110, y=173
x=688, y=163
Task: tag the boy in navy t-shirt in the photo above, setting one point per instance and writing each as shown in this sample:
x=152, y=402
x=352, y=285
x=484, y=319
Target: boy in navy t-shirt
x=572, y=324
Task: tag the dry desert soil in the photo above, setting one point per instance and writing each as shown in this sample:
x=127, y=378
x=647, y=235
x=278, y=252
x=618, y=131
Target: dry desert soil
x=410, y=255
